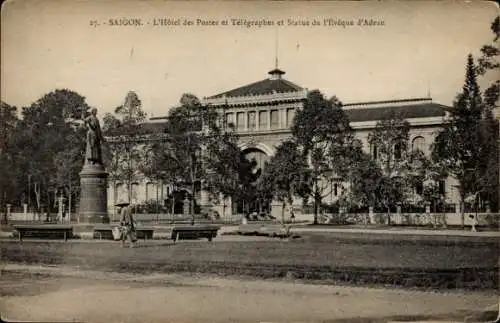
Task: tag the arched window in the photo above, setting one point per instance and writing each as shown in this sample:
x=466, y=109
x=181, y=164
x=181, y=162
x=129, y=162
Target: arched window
x=258, y=155
x=418, y=143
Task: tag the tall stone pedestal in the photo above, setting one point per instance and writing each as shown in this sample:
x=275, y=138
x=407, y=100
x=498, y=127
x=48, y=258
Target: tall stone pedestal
x=94, y=197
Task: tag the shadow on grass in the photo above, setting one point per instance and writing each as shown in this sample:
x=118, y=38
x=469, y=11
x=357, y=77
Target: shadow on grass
x=149, y=245
x=459, y=316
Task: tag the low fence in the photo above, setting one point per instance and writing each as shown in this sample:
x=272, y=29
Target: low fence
x=413, y=219
x=144, y=218
x=418, y=219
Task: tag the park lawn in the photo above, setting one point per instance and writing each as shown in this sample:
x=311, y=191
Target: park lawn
x=400, y=262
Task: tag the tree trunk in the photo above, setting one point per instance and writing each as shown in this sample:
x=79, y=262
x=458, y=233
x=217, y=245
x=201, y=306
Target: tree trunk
x=192, y=201
x=315, y=201
x=37, y=198
x=462, y=212
x=157, y=202
x=115, y=197
x=283, y=206
x=69, y=201
x=172, y=206
x=47, y=216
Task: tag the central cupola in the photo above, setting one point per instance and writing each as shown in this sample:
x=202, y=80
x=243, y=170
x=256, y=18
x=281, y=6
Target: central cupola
x=276, y=74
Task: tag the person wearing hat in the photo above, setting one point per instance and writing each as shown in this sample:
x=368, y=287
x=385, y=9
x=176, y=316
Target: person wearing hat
x=127, y=223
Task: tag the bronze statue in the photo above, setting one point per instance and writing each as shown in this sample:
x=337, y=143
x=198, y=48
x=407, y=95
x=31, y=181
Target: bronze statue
x=93, y=154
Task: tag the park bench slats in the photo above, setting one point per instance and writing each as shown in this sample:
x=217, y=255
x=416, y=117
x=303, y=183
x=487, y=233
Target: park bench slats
x=194, y=232
x=36, y=230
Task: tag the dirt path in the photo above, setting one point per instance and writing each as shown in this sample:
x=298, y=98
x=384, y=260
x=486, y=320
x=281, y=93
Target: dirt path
x=67, y=294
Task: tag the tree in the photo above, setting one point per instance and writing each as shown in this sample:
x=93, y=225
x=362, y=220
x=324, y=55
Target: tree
x=486, y=63
x=123, y=154
x=284, y=173
x=389, y=145
x=229, y=172
x=8, y=152
x=462, y=144
x=47, y=135
x=162, y=165
x=320, y=125
x=224, y=160
x=390, y=140
x=365, y=181
x=184, y=129
x=69, y=164
x=489, y=62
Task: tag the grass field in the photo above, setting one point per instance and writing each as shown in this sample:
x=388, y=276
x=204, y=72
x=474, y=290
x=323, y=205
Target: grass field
x=406, y=261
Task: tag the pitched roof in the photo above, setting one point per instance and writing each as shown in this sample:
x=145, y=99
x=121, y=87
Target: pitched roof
x=266, y=86
x=143, y=128
x=407, y=111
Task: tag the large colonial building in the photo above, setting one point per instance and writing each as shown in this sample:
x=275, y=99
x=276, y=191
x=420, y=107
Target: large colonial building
x=262, y=113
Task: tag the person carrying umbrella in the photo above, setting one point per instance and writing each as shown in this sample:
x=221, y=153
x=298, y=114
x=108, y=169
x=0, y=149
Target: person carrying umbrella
x=127, y=224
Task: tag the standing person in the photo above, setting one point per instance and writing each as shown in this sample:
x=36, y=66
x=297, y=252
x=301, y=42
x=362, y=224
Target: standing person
x=127, y=224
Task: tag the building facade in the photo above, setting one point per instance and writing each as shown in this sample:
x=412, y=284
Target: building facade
x=262, y=113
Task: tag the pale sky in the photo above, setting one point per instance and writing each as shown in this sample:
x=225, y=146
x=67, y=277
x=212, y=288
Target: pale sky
x=422, y=46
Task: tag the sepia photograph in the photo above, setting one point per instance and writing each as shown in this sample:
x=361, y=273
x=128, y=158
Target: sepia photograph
x=238, y=161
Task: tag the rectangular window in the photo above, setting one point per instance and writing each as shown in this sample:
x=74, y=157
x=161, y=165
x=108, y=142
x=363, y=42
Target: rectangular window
x=374, y=151
x=262, y=120
x=419, y=188
x=336, y=189
x=442, y=187
x=275, y=120
x=251, y=120
x=230, y=119
x=290, y=114
x=240, y=121
x=398, y=151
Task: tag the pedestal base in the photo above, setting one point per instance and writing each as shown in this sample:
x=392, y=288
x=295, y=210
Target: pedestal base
x=94, y=196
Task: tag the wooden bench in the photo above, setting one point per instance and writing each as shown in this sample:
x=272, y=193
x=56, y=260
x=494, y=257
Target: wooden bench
x=44, y=230
x=105, y=232
x=194, y=232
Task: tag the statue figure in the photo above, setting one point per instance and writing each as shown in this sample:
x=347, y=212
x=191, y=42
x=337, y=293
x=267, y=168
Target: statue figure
x=93, y=153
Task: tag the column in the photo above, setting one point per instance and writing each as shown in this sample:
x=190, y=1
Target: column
x=205, y=204
x=257, y=120
x=276, y=208
x=25, y=211
x=268, y=119
x=246, y=121
x=428, y=212
x=7, y=215
x=60, y=206
x=186, y=206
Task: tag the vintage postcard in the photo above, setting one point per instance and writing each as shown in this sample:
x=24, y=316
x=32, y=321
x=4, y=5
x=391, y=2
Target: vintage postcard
x=237, y=161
